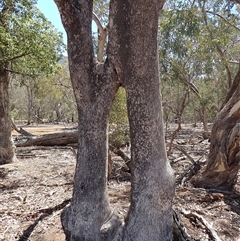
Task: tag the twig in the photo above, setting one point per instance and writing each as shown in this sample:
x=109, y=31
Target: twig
x=184, y=152
x=189, y=173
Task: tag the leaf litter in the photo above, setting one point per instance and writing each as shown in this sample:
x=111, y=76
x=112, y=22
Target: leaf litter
x=38, y=185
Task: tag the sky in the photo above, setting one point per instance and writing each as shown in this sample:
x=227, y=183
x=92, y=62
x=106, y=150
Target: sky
x=49, y=9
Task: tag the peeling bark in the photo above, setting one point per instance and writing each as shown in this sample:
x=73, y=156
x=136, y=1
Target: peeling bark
x=224, y=158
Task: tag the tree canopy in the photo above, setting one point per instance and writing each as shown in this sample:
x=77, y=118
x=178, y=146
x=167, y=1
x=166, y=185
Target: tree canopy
x=27, y=39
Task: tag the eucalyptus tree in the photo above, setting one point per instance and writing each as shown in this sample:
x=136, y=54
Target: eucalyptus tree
x=131, y=62
x=51, y=97
x=193, y=53
x=223, y=161
x=100, y=17
x=29, y=46
x=201, y=47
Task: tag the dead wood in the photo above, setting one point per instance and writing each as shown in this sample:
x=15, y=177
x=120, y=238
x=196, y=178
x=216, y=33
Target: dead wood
x=20, y=130
x=55, y=139
x=189, y=173
x=179, y=230
x=45, y=213
x=120, y=153
x=212, y=232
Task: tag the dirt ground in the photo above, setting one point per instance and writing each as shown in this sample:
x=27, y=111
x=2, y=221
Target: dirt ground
x=38, y=185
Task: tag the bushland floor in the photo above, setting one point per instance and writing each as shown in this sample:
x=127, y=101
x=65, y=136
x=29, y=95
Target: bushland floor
x=38, y=185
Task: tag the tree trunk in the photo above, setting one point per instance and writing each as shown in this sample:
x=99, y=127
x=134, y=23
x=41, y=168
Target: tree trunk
x=6, y=146
x=30, y=104
x=224, y=157
x=94, y=88
x=131, y=62
x=150, y=214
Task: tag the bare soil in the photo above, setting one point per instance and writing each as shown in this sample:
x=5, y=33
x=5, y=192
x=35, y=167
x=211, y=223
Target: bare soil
x=38, y=185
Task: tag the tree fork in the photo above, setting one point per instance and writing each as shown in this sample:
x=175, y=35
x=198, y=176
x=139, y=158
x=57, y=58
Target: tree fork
x=131, y=62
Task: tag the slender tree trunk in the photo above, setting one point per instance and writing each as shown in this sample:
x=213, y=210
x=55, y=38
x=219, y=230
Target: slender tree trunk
x=224, y=157
x=6, y=146
x=30, y=104
x=132, y=62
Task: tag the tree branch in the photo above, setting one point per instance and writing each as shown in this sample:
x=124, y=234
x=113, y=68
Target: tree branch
x=224, y=19
x=103, y=32
x=219, y=50
x=16, y=57
x=20, y=73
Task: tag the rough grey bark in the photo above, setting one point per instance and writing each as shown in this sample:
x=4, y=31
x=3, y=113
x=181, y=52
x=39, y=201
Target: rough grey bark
x=6, y=146
x=224, y=157
x=131, y=62
x=135, y=30
x=94, y=89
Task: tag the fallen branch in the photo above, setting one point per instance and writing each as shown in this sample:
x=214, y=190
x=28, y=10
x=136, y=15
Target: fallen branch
x=120, y=153
x=20, y=130
x=179, y=230
x=212, y=232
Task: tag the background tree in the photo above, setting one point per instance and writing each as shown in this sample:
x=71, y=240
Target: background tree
x=196, y=57
x=44, y=99
x=29, y=45
x=119, y=135
x=223, y=162
x=131, y=53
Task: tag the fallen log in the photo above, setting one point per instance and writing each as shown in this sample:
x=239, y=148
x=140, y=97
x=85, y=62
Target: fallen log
x=54, y=139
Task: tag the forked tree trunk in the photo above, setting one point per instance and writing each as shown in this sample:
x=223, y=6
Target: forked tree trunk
x=6, y=146
x=131, y=62
x=224, y=158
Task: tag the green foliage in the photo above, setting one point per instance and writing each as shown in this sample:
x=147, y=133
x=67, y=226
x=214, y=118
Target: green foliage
x=101, y=8
x=198, y=40
x=119, y=126
x=27, y=40
x=46, y=99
